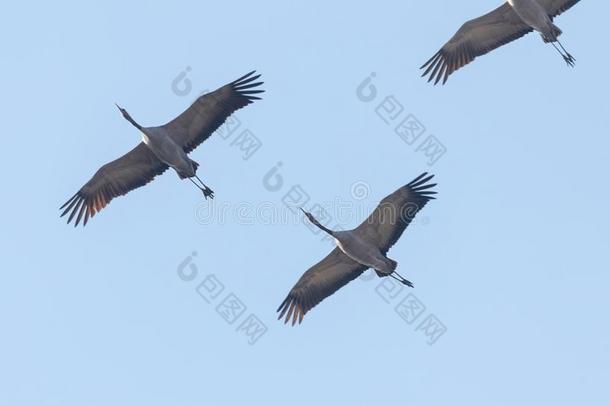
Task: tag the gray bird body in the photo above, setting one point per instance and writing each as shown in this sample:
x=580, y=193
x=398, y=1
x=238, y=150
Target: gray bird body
x=364, y=251
x=160, y=142
x=533, y=14
x=162, y=147
x=359, y=249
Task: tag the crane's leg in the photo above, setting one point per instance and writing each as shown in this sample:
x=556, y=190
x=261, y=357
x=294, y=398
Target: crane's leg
x=207, y=192
x=570, y=57
x=567, y=57
x=400, y=278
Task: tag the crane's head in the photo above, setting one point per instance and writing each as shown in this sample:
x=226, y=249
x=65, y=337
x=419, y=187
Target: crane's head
x=127, y=116
x=309, y=216
x=123, y=111
x=316, y=222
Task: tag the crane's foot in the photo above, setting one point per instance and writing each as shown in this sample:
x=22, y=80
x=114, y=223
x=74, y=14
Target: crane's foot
x=569, y=60
x=207, y=193
x=401, y=279
x=407, y=283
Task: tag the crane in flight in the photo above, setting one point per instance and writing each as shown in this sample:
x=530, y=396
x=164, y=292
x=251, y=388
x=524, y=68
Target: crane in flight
x=510, y=21
x=163, y=147
x=359, y=249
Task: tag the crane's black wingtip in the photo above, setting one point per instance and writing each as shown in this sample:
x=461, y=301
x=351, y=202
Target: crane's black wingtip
x=291, y=308
x=418, y=178
x=246, y=86
x=421, y=186
x=246, y=78
x=437, y=68
x=79, y=209
x=430, y=60
x=282, y=305
x=68, y=202
x=247, y=83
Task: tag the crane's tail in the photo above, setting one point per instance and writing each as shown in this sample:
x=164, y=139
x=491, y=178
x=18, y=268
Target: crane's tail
x=195, y=165
x=552, y=35
x=391, y=266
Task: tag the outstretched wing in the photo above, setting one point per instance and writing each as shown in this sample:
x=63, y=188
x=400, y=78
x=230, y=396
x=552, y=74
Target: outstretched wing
x=394, y=213
x=475, y=38
x=317, y=283
x=132, y=170
x=556, y=7
x=211, y=110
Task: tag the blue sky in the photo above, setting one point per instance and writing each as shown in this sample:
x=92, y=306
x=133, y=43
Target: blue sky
x=509, y=259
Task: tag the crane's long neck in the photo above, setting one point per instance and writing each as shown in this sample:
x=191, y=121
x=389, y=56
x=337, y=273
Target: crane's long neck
x=133, y=122
x=322, y=227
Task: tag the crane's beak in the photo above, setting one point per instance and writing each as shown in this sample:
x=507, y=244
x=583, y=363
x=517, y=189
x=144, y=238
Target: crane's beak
x=308, y=215
x=117, y=106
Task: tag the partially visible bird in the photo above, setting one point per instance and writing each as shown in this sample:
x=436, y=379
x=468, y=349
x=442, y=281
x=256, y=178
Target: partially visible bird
x=359, y=249
x=510, y=21
x=163, y=147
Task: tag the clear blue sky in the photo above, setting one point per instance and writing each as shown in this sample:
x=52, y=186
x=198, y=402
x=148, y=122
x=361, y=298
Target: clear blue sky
x=512, y=257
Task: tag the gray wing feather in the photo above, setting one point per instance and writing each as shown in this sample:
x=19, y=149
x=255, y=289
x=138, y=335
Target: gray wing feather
x=132, y=170
x=211, y=110
x=320, y=281
x=475, y=38
x=394, y=213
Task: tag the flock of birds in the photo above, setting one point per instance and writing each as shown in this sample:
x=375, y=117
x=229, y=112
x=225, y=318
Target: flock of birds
x=358, y=249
